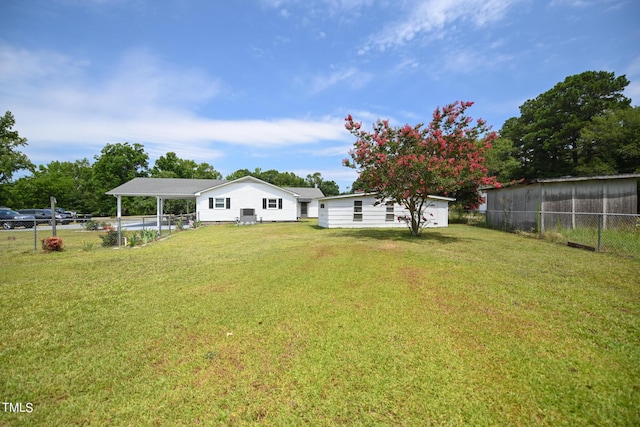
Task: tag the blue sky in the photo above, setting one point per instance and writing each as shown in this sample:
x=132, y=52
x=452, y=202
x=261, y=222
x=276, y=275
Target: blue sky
x=268, y=83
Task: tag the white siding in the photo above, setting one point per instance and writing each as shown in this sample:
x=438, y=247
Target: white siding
x=339, y=213
x=247, y=194
x=312, y=209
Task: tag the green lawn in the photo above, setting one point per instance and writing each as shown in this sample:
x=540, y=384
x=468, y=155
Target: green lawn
x=288, y=324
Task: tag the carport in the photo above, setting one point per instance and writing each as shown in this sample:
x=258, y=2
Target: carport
x=160, y=188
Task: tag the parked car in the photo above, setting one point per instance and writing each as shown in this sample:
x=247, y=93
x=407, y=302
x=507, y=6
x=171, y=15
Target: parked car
x=67, y=216
x=11, y=219
x=42, y=216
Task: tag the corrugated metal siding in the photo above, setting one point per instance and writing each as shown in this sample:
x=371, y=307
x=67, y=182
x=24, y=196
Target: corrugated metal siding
x=518, y=206
x=513, y=207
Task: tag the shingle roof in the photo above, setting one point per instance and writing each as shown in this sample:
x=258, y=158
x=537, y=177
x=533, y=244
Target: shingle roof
x=306, y=192
x=178, y=188
x=164, y=187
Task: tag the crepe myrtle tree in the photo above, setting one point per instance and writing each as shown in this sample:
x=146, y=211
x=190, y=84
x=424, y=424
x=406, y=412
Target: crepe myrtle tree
x=406, y=164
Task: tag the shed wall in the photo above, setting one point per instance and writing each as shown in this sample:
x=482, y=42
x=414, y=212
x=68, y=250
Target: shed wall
x=564, y=203
x=339, y=213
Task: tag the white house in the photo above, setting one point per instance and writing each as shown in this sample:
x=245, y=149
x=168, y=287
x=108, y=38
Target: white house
x=359, y=210
x=307, y=201
x=247, y=198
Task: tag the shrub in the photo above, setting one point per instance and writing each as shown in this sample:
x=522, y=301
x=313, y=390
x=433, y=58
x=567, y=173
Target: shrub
x=110, y=239
x=94, y=225
x=51, y=244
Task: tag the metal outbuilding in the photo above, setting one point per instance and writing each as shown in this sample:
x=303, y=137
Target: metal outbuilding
x=561, y=201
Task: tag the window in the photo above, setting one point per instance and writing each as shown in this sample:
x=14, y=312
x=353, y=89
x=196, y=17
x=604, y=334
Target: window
x=357, y=210
x=219, y=203
x=271, y=203
x=390, y=214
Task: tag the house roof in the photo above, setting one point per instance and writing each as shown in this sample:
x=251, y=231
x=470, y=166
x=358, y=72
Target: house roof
x=167, y=188
x=306, y=194
x=182, y=188
x=245, y=178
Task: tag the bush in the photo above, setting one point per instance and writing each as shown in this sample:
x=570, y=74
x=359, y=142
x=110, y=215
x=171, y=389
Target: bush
x=93, y=225
x=52, y=244
x=110, y=239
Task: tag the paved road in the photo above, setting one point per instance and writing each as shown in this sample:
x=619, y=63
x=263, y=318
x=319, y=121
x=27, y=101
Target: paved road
x=127, y=224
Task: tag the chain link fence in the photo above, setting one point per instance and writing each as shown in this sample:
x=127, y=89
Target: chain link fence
x=599, y=232
x=19, y=236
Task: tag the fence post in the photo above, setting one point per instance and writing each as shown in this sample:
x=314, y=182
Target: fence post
x=540, y=224
x=35, y=234
x=53, y=215
x=600, y=221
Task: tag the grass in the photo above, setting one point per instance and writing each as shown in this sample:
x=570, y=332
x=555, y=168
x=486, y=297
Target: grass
x=287, y=324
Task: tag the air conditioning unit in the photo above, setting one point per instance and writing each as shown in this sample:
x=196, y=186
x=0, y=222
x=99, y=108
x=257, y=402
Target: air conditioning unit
x=247, y=216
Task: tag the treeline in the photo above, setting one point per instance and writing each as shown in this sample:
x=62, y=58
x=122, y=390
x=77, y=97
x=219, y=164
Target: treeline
x=81, y=185
x=583, y=126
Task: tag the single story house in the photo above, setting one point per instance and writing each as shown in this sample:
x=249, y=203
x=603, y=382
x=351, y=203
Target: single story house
x=245, y=199
x=359, y=210
x=567, y=202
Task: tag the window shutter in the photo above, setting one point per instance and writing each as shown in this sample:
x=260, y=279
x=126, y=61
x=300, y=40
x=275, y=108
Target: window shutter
x=210, y=202
x=228, y=203
x=279, y=203
x=264, y=203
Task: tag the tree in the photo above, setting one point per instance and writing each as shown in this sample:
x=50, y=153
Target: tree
x=11, y=160
x=612, y=143
x=272, y=176
x=546, y=136
x=171, y=166
x=407, y=164
x=67, y=181
x=117, y=164
x=329, y=188
x=242, y=173
x=501, y=160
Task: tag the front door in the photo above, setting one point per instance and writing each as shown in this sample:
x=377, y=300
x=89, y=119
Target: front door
x=304, y=209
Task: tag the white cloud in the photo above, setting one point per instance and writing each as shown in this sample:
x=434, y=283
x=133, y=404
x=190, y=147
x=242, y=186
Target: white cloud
x=143, y=99
x=355, y=79
x=470, y=61
x=428, y=17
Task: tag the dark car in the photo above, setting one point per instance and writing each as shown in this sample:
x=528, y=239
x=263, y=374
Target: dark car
x=42, y=216
x=11, y=219
x=67, y=216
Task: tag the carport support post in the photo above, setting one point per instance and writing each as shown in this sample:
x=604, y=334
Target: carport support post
x=119, y=216
x=159, y=215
